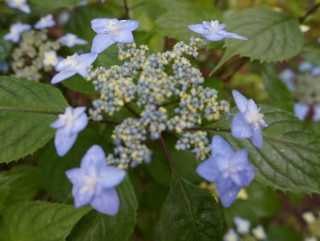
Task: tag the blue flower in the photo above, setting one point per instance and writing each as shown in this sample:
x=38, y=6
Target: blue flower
x=228, y=169
x=94, y=182
x=110, y=31
x=68, y=125
x=15, y=31
x=72, y=65
x=247, y=123
x=19, y=4
x=300, y=110
x=71, y=40
x=305, y=66
x=213, y=31
x=45, y=22
x=287, y=76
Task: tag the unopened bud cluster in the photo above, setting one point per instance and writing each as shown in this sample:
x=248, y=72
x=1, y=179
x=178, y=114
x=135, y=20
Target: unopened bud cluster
x=166, y=90
x=34, y=53
x=308, y=89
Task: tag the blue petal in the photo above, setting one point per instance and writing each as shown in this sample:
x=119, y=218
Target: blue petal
x=222, y=162
x=128, y=25
x=80, y=123
x=110, y=176
x=257, y=138
x=220, y=147
x=62, y=76
x=101, y=42
x=300, y=110
x=99, y=25
x=57, y=124
x=75, y=176
x=240, y=100
x=208, y=170
x=82, y=195
x=228, y=191
x=78, y=111
x=240, y=159
x=63, y=142
x=240, y=128
x=107, y=202
x=198, y=28
x=94, y=157
x=122, y=37
x=86, y=59
x=213, y=37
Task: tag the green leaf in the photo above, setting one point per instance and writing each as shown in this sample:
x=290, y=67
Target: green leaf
x=4, y=189
x=290, y=157
x=109, y=57
x=311, y=53
x=95, y=226
x=53, y=167
x=5, y=47
x=283, y=233
x=277, y=91
x=26, y=110
x=272, y=36
x=77, y=83
x=39, y=221
x=190, y=213
x=54, y=4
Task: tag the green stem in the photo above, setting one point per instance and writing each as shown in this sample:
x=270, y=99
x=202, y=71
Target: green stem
x=309, y=12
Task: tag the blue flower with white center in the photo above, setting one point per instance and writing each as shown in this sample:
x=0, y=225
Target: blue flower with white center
x=15, y=31
x=68, y=125
x=19, y=4
x=94, y=182
x=110, y=31
x=228, y=169
x=72, y=65
x=247, y=123
x=45, y=22
x=231, y=235
x=243, y=226
x=213, y=31
x=71, y=40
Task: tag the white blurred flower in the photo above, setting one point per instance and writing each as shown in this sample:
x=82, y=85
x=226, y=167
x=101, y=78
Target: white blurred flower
x=45, y=22
x=231, y=235
x=50, y=58
x=19, y=4
x=243, y=226
x=300, y=110
x=308, y=217
x=287, y=77
x=71, y=40
x=15, y=31
x=304, y=28
x=259, y=233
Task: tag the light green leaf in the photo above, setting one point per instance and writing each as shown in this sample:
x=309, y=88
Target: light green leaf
x=95, y=226
x=272, y=36
x=54, y=4
x=79, y=84
x=39, y=221
x=290, y=157
x=277, y=91
x=109, y=57
x=53, y=167
x=311, y=53
x=26, y=110
x=190, y=214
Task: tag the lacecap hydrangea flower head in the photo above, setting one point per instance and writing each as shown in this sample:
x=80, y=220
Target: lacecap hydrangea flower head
x=247, y=123
x=94, y=182
x=213, y=31
x=228, y=169
x=110, y=31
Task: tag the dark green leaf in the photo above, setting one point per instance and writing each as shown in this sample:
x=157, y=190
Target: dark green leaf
x=109, y=57
x=272, y=36
x=5, y=47
x=79, y=84
x=280, y=232
x=190, y=213
x=39, y=221
x=311, y=53
x=96, y=226
x=26, y=109
x=54, y=4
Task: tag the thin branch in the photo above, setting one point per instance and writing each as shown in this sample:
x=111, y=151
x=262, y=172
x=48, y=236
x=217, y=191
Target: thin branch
x=235, y=70
x=167, y=155
x=113, y=5
x=309, y=12
x=108, y=122
x=131, y=110
x=126, y=8
x=170, y=103
x=137, y=5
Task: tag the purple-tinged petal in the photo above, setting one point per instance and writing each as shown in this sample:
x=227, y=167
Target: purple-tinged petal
x=228, y=191
x=63, y=143
x=80, y=123
x=75, y=176
x=128, y=25
x=107, y=202
x=78, y=111
x=248, y=175
x=257, y=139
x=300, y=110
x=57, y=124
x=233, y=35
x=240, y=128
x=222, y=162
x=82, y=195
x=110, y=176
x=239, y=159
x=222, y=26
x=101, y=42
x=87, y=59
x=94, y=157
x=122, y=37
x=240, y=100
x=208, y=170
x=220, y=147
x=198, y=28
x=62, y=76
x=214, y=37
x=99, y=25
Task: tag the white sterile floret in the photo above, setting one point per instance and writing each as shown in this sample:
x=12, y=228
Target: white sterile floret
x=259, y=233
x=300, y=110
x=50, y=58
x=311, y=239
x=72, y=65
x=71, y=40
x=242, y=225
x=213, y=31
x=308, y=217
x=45, y=22
x=110, y=31
x=231, y=235
x=15, y=31
x=19, y=4
x=287, y=76
x=247, y=123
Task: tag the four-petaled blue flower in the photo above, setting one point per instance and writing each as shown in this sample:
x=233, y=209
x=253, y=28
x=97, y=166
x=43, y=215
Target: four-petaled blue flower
x=213, y=31
x=229, y=170
x=15, y=31
x=247, y=123
x=68, y=125
x=72, y=65
x=71, y=40
x=45, y=22
x=110, y=31
x=19, y=4
x=94, y=182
